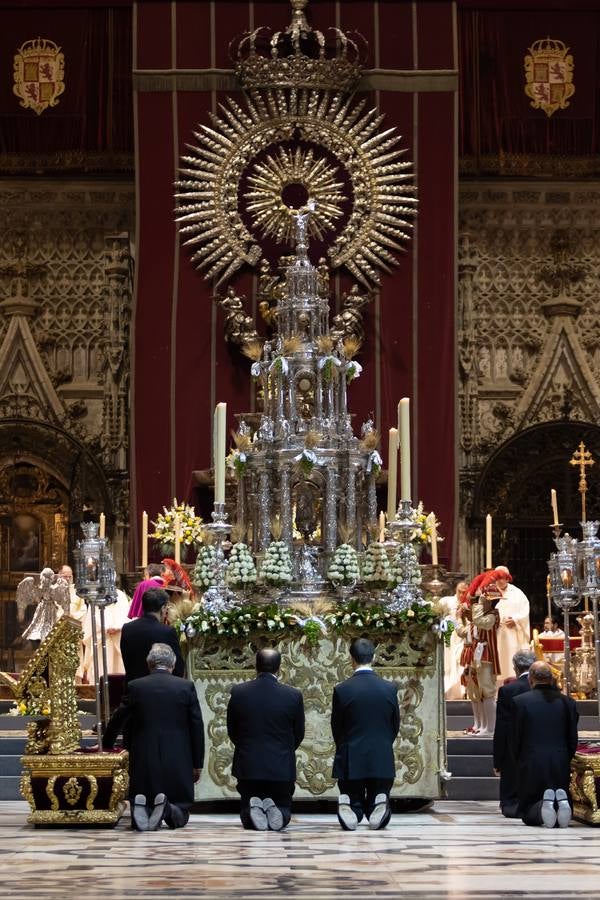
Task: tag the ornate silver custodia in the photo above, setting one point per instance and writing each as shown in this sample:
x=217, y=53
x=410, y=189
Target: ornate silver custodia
x=305, y=473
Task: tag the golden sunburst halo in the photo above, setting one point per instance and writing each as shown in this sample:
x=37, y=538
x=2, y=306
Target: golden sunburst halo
x=270, y=213
x=246, y=144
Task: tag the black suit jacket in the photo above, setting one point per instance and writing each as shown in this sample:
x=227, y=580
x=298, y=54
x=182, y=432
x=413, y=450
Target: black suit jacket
x=503, y=753
x=165, y=736
x=265, y=723
x=137, y=638
x=545, y=741
x=365, y=719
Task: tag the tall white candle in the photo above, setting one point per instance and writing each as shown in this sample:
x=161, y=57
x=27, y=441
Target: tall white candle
x=392, y=491
x=177, y=538
x=404, y=429
x=144, y=539
x=102, y=528
x=554, y=507
x=381, y=527
x=488, y=541
x=220, y=420
x=434, y=539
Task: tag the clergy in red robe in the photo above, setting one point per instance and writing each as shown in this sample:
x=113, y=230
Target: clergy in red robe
x=154, y=579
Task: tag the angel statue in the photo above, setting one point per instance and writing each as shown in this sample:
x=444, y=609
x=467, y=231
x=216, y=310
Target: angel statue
x=53, y=598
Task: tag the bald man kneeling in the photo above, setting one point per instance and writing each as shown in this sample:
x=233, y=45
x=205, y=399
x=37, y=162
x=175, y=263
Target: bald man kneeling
x=265, y=723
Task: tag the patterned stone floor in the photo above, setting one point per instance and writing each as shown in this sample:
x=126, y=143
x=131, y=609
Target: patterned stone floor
x=454, y=850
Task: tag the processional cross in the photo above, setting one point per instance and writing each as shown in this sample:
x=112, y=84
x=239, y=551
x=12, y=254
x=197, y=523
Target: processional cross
x=582, y=458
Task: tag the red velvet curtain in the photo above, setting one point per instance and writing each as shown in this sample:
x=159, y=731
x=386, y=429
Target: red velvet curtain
x=95, y=111
x=182, y=364
x=496, y=115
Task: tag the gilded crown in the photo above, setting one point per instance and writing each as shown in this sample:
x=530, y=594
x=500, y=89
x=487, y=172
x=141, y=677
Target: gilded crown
x=37, y=47
x=549, y=46
x=299, y=56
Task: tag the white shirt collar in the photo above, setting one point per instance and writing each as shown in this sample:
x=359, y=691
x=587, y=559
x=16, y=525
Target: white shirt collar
x=364, y=668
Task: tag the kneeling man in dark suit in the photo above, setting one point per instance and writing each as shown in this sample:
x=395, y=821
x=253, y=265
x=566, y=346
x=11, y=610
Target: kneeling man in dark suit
x=165, y=739
x=365, y=719
x=545, y=741
x=265, y=723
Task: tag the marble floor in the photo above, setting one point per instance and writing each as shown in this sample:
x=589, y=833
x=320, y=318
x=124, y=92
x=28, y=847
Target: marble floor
x=453, y=850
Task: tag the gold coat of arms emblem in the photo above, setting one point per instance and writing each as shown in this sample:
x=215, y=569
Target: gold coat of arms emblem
x=38, y=73
x=549, y=74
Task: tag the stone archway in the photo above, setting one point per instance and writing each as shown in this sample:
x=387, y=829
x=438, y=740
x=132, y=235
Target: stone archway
x=514, y=488
x=49, y=483
x=44, y=470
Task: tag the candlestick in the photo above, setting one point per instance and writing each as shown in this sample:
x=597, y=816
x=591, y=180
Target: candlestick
x=381, y=527
x=554, y=507
x=404, y=429
x=177, y=539
x=220, y=419
x=102, y=529
x=392, y=474
x=144, y=539
x=488, y=541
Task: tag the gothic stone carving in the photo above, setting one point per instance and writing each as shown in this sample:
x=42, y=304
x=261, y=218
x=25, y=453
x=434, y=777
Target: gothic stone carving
x=528, y=316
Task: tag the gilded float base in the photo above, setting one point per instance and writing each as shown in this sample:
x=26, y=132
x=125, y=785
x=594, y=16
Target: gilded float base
x=585, y=785
x=413, y=660
x=75, y=788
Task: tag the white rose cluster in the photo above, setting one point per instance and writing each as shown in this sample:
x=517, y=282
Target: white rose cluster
x=241, y=569
x=376, y=567
x=343, y=568
x=406, y=568
x=276, y=566
x=204, y=573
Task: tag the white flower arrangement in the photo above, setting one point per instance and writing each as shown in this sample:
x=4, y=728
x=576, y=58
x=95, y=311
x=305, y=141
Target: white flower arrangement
x=205, y=570
x=374, y=463
x=421, y=533
x=237, y=460
x=376, y=567
x=405, y=567
x=241, y=570
x=343, y=568
x=353, y=370
x=276, y=566
x=190, y=523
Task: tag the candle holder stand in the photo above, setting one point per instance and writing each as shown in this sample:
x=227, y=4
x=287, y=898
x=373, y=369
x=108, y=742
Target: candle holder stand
x=408, y=590
x=95, y=581
x=435, y=585
x=219, y=597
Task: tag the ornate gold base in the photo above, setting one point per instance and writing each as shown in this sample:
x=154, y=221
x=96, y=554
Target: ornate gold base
x=585, y=775
x=75, y=788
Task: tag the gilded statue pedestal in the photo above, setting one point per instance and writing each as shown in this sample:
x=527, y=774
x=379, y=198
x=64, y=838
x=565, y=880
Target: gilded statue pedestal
x=585, y=782
x=412, y=659
x=75, y=788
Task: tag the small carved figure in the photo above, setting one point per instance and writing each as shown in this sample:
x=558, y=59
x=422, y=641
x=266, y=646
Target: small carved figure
x=268, y=293
x=53, y=598
x=349, y=322
x=323, y=278
x=239, y=328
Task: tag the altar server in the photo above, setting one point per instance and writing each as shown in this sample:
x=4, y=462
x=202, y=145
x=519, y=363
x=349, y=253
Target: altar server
x=365, y=719
x=265, y=723
x=449, y=606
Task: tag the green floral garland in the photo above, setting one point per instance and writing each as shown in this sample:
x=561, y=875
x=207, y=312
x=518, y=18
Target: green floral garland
x=250, y=619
